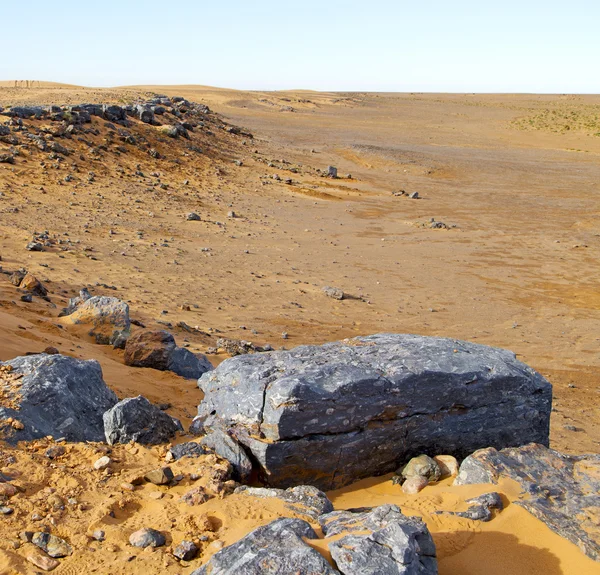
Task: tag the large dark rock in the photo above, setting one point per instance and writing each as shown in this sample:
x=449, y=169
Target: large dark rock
x=274, y=549
x=561, y=490
x=330, y=415
x=136, y=419
x=379, y=540
x=158, y=350
x=54, y=395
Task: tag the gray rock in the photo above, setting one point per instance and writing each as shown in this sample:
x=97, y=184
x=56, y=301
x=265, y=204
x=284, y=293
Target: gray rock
x=274, y=549
x=55, y=395
x=379, y=541
x=136, y=419
x=192, y=217
x=145, y=114
x=227, y=448
x=481, y=507
x=303, y=500
x=330, y=415
x=333, y=292
x=34, y=247
x=147, y=537
x=332, y=172
x=188, y=449
x=414, y=196
x=186, y=551
x=54, y=546
x=561, y=490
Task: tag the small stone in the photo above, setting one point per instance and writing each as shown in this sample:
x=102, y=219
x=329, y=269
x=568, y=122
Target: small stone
x=27, y=298
x=414, y=196
x=147, y=537
x=34, y=247
x=448, y=465
x=423, y=466
x=333, y=292
x=160, y=476
x=55, y=451
x=186, y=551
x=54, y=546
x=127, y=486
x=7, y=489
x=332, y=171
x=99, y=535
x=414, y=484
x=231, y=214
x=192, y=217
x=102, y=463
x=6, y=510
x=42, y=561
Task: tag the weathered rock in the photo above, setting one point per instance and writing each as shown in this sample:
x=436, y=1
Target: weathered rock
x=333, y=292
x=188, y=449
x=55, y=395
x=147, y=537
x=34, y=247
x=136, y=419
x=160, y=476
x=414, y=484
x=42, y=561
x=421, y=466
x=330, y=415
x=102, y=463
x=54, y=546
x=186, y=551
x=227, y=448
x=448, y=465
x=380, y=540
x=561, y=490
x=196, y=496
x=302, y=500
x=158, y=350
x=274, y=549
x=332, y=171
x=75, y=302
x=192, y=217
x=33, y=285
x=107, y=318
x=145, y=114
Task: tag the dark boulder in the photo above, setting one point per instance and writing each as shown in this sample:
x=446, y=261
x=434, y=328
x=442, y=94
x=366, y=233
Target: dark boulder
x=136, y=419
x=158, y=350
x=54, y=395
x=561, y=490
x=330, y=415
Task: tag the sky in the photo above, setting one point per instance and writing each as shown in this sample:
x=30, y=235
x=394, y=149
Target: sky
x=541, y=46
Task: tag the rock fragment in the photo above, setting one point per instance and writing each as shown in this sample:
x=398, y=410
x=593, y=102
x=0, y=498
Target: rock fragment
x=147, y=537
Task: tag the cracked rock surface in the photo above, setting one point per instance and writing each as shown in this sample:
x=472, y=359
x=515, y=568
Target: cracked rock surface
x=332, y=414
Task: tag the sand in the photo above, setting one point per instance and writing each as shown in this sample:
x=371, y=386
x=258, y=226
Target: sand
x=519, y=270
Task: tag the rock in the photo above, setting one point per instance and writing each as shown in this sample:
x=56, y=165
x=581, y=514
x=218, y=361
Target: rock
x=99, y=535
x=75, y=302
x=6, y=510
x=145, y=114
x=107, y=318
x=333, y=292
x=188, y=449
x=157, y=350
x=114, y=114
x=274, y=549
x=560, y=490
x=192, y=217
x=240, y=346
x=34, y=247
x=55, y=451
x=330, y=415
x=380, y=540
x=161, y=476
x=136, y=419
x=196, y=496
x=448, y=465
x=43, y=561
x=147, y=537
x=303, y=500
x=186, y=551
x=414, y=484
x=421, y=466
x=102, y=463
x=7, y=490
x=55, y=395
x=227, y=448
x=54, y=546
x=414, y=196
x=27, y=298
x=33, y=285
x=332, y=172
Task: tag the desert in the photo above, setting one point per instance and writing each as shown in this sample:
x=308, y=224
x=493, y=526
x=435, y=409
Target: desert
x=247, y=262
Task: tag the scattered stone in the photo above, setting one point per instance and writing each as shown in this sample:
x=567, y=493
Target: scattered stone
x=27, y=298
x=330, y=415
x=192, y=217
x=102, y=463
x=186, y=551
x=136, y=419
x=31, y=284
x=54, y=546
x=240, y=347
x=34, y=247
x=6, y=510
x=333, y=292
x=55, y=395
x=161, y=476
x=188, y=449
x=147, y=537
x=196, y=496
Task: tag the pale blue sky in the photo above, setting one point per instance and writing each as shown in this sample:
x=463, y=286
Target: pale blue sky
x=416, y=45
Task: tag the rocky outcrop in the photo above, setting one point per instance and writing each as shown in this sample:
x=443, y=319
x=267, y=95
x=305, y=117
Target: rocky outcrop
x=561, y=490
x=373, y=542
x=273, y=549
x=379, y=540
x=136, y=419
x=107, y=318
x=53, y=395
x=158, y=350
x=330, y=415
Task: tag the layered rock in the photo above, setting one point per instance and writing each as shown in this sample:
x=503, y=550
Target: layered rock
x=330, y=415
x=54, y=395
x=158, y=350
x=136, y=419
x=561, y=490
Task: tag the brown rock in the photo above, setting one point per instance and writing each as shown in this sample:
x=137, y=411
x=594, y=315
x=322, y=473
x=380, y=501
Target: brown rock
x=43, y=561
x=31, y=284
x=448, y=465
x=149, y=349
x=7, y=489
x=414, y=484
x=196, y=496
x=160, y=476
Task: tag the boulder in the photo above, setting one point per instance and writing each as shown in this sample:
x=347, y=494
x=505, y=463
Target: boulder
x=304, y=500
x=54, y=395
x=561, y=490
x=227, y=448
x=107, y=318
x=333, y=292
x=274, y=549
x=333, y=414
x=136, y=419
x=145, y=114
x=379, y=540
x=158, y=350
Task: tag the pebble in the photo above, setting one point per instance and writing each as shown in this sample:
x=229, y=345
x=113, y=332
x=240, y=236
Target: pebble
x=55, y=451
x=7, y=489
x=42, y=561
x=186, y=551
x=6, y=510
x=414, y=484
x=102, y=463
x=147, y=537
x=99, y=535
x=160, y=476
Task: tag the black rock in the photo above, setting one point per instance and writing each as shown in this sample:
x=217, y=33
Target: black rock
x=186, y=551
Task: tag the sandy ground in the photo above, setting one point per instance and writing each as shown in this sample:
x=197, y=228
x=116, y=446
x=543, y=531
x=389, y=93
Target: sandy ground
x=518, y=176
